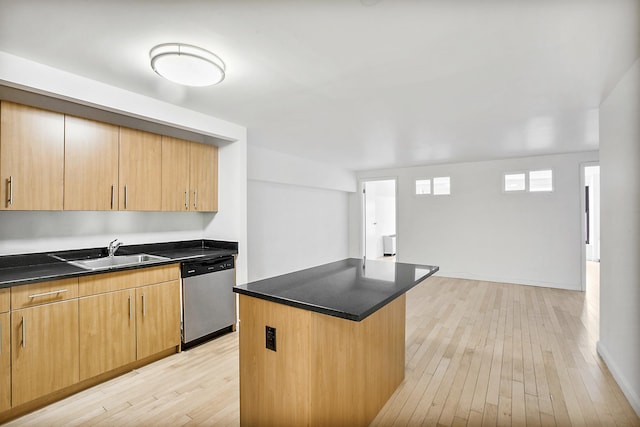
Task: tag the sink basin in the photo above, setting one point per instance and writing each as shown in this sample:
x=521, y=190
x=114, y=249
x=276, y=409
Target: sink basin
x=116, y=261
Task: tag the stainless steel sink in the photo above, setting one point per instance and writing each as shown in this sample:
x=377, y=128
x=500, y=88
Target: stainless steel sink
x=116, y=261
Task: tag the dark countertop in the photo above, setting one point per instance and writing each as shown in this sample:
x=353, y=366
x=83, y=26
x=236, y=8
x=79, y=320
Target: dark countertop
x=349, y=288
x=39, y=267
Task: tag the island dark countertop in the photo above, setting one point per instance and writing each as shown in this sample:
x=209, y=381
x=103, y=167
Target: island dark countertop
x=350, y=288
x=23, y=269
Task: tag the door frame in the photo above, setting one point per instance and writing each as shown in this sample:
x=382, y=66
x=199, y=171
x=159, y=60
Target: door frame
x=363, y=225
x=583, y=225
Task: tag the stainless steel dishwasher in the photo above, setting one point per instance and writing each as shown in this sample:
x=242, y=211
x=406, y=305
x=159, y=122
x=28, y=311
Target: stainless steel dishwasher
x=208, y=302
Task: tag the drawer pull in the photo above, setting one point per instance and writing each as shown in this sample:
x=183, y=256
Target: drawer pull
x=59, y=291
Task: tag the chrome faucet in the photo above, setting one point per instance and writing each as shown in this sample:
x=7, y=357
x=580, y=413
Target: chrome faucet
x=113, y=247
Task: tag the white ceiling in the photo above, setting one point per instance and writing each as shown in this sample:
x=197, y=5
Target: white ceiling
x=361, y=84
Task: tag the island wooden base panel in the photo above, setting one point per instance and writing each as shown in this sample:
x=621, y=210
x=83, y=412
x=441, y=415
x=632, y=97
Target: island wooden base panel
x=470, y=350
x=326, y=371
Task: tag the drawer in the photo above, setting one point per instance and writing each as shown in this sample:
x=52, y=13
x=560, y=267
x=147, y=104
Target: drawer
x=5, y=299
x=43, y=293
x=109, y=282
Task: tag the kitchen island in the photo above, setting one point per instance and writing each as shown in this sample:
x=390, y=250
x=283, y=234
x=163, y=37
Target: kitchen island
x=324, y=345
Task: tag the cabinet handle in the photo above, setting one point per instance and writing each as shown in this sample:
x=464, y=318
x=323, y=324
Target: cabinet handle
x=195, y=199
x=129, y=306
x=113, y=194
x=43, y=294
x=24, y=333
x=126, y=196
x=10, y=198
x=144, y=306
x=186, y=199
x=0, y=337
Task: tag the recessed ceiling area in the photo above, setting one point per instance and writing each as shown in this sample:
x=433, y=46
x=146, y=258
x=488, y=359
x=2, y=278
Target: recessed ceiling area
x=360, y=84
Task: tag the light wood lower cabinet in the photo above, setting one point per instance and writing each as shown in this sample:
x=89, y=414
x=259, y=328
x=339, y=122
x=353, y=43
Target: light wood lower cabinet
x=45, y=350
x=5, y=362
x=157, y=317
x=65, y=335
x=107, y=332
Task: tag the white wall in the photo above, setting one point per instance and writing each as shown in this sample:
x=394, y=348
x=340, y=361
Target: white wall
x=479, y=232
x=293, y=226
x=273, y=166
x=619, y=343
x=42, y=231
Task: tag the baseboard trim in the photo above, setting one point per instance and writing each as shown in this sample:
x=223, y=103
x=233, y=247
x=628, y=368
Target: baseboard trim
x=630, y=394
x=470, y=276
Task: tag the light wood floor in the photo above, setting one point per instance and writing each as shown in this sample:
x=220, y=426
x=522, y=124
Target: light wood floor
x=478, y=353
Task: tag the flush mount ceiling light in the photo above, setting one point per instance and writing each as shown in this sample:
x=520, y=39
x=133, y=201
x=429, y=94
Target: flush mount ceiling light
x=186, y=64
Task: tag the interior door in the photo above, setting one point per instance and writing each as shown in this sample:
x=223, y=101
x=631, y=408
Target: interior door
x=370, y=224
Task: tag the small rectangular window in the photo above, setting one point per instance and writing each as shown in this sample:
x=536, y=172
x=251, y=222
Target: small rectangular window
x=514, y=182
x=541, y=180
x=423, y=186
x=442, y=185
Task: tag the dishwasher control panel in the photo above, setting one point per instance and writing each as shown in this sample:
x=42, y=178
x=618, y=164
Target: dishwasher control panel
x=196, y=268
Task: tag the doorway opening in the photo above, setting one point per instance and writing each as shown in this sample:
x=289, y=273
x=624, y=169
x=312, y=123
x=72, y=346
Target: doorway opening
x=591, y=234
x=379, y=219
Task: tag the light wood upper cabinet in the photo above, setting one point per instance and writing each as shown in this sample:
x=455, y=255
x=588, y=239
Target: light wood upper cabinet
x=52, y=161
x=140, y=177
x=31, y=158
x=107, y=332
x=5, y=362
x=175, y=174
x=90, y=165
x=157, y=317
x=45, y=350
x=203, y=179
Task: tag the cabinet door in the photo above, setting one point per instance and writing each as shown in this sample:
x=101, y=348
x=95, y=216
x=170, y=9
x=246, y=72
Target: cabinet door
x=31, y=158
x=175, y=174
x=5, y=299
x=44, y=350
x=157, y=317
x=90, y=165
x=204, y=177
x=140, y=177
x=107, y=332
x=5, y=362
